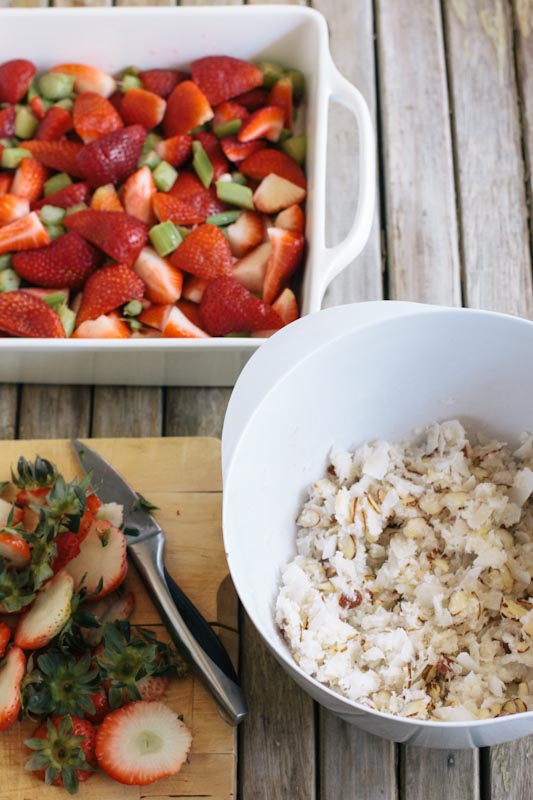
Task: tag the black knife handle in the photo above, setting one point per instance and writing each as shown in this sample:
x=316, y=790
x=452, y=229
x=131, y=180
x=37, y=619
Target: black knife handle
x=201, y=629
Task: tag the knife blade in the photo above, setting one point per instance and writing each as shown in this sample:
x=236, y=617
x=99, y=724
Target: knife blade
x=191, y=633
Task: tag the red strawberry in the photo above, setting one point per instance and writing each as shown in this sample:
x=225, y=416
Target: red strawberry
x=191, y=311
x=175, y=150
x=222, y=77
x=281, y=95
x=111, y=158
x=68, y=547
x=106, y=198
x=190, y=190
x=107, y=326
x=228, y=111
x=120, y=236
x=13, y=207
x=228, y=307
x=88, y=79
x=15, y=79
x=101, y=707
x=48, y=613
x=291, y=218
x=250, y=270
x=275, y=193
x=152, y=687
x=187, y=107
x=261, y=164
x=141, y=107
x=11, y=674
x=286, y=306
x=265, y=123
x=21, y=314
x=156, y=316
x=7, y=122
x=94, y=117
x=179, y=326
x=122, y=752
x=23, y=234
x=55, y=124
x=177, y=211
x=64, y=751
x=214, y=153
x=57, y=155
x=204, y=252
x=5, y=636
x=92, y=507
x=161, y=81
x=256, y=98
x=193, y=289
x=14, y=549
x=29, y=179
x=38, y=107
x=286, y=255
x=102, y=558
x=137, y=195
x=107, y=289
x=5, y=180
x=65, y=263
x=238, y=151
x=68, y=196
x=245, y=233
x=162, y=280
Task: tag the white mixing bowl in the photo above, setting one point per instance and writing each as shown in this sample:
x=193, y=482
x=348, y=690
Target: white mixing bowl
x=345, y=376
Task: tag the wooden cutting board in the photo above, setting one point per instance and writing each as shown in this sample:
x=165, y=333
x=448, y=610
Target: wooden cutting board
x=182, y=477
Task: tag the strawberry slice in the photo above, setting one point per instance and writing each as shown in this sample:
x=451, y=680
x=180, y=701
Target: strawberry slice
x=265, y=123
x=214, y=153
x=255, y=98
x=5, y=636
x=156, y=316
x=205, y=252
x=107, y=326
x=107, y=289
x=6, y=179
x=179, y=326
x=228, y=307
x=68, y=547
x=286, y=255
x=111, y=158
x=120, y=236
x=161, y=81
x=57, y=155
x=11, y=674
x=175, y=150
x=137, y=195
x=222, y=77
x=29, y=179
x=177, y=211
x=23, y=234
x=275, y=193
x=162, y=280
x=68, y=196
x=245, y=233
x=228, y=111
x=193, y=290
x=141, y=107
x=237, y=151
x=88, y=79
x=152, y=687
x=187, y=107
x=38, y=107
x=250, y=270
x=21, y=314
x=7, y=122
x=122, y=751
x=65, y=263
x=15, y=549
x=48, y=614
x=94, y=117
x=15, y=79
x=291, y=218
x=56, y=123
x=102, y=558
x=261, y=164
x=189, y=189
x=13, y=207
x=281, y=95
x=106, y=198
x=191, y=311
x=286, y=306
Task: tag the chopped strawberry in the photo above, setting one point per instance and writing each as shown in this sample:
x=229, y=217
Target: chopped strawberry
x=94, y=117
x=228, y=307
x=47, y=615
x=191, y=310
x=222, y=77
x=245, y=233
x=152, y=687
x=156, y=316
x=66, y=262
x=15, y=79
x=107, y=289
x=92, y=508
x=204, y=252
x=29, y=179
x=106, y=198
x=175, y=150
x=250, y=270
x=275, y=193
x=111, y=158
x=64, y=754
x=38, y=107
x=13, y=207
x=261, y=164
x=166, y=207
x=9, y=510
x=214, y=153
x=265, y=123
x=6, y=179
x=68, y=547
x=7, y=122
x=190, y=190
x=161, y=81
x=23, y=234
x=43, y=294
x=5, y=636
x=11, y=674
x=69, y=196
x=237, y=151
x=194, y=288
x=101, y=705
x=287, y=251
x=55, y=124
x=286, y=306
x=255, y=98
x=14, y=549
x=281, y=95
x=24, y=315
x=102, y=559
x=141, y=107
x=228, y=111
x=291, y=218
x=187, y=107
x=137, y=195
x=179, y=326
x=107, y=326
x=120, y=236
x=122, y=752
x=162, y=280
x=88, y=79
x=57, y=155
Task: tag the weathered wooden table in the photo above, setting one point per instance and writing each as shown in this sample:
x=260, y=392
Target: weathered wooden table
x=450, y=85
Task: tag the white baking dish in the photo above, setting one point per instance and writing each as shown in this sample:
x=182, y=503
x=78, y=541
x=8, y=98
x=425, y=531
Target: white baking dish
x=113, y=38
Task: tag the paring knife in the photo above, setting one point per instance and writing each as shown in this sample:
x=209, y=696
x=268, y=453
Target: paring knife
x=190, y=632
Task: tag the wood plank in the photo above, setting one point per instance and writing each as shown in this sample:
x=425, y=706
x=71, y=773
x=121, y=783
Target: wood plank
x=490, y=169
x=9, y=394
x=195, y=411
x=422, y=238
x=48, y=412
x=127, y=411
x=440, y=774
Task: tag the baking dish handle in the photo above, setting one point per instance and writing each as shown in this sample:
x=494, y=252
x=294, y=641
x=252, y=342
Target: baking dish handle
x=333, y=260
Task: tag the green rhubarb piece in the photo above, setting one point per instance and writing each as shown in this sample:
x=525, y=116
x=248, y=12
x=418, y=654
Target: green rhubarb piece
x=284, y=135
x=74, y=209
x=5, y=261
x=183, y=231
x=296, y=147
x=51, y=215
x=234, y=194
x=12, y=156
x=165, y=237
x=55, y=231
x=131, y=70
x=133, y=308
x=237, y=335
x=164, y=176
x=224, y=218
x=55, y=299
x=199, y=129
x=26, y=123
x=56, y=182
x=134, y=324
x=68, y=319
x=271, y=73
x=229, y=128
x=67, y=103
x=55, y=85
x=150, y=159
x=202, y=165
x=32, y=91
x=8, y=142
x=238, y=177
x=298, y=83
x=130, y=82
x=151, y=142
x=9, y=280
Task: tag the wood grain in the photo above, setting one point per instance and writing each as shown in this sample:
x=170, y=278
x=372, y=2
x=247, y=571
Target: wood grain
x=440, y=774
x=54, y=411
x=195, y=412
x=9, y=395
x=127, y=411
